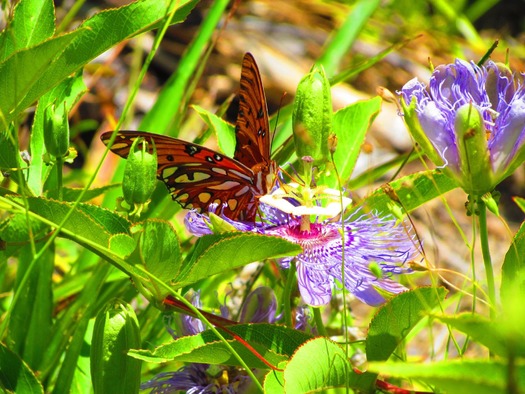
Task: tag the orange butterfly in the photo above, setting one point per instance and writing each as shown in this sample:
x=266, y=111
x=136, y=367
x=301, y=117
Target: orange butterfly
x=197, y=176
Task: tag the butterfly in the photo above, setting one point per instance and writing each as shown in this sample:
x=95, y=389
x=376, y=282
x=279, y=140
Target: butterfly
x=198, y=177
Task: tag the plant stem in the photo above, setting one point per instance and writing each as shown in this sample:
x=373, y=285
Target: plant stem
x=487, y=261
x=59, y=166
x=287, y=296
x=319, y=322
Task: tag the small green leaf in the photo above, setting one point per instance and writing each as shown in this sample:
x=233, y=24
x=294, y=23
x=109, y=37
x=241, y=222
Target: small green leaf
x=219, y=253
x=122, y=245
x=513, y=269
x=350, y=125
x=223, y=130
x=458, y=376
x=396, y=318
x=160, y=250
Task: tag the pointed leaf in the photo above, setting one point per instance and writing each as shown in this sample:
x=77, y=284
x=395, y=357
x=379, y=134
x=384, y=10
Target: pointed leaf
x=223, y=130
x=396, y=318
x=219, y=253
x=274, y=343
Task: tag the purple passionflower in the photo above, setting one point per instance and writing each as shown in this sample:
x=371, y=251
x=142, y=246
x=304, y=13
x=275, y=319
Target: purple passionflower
x=369, y=248
x=260, y=306
x=470, y=120
x=199, y=378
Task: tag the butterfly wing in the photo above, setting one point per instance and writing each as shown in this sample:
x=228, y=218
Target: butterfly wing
x=197, y=176
x=252, y=130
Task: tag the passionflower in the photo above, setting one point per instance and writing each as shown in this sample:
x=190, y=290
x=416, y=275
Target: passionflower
x=362, y=252
x=470, y=121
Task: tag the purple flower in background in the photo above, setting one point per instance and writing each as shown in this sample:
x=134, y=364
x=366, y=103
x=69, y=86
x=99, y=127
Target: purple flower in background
x=470, y=120
x=260, y=306
x=199, y=378
x=373, y=250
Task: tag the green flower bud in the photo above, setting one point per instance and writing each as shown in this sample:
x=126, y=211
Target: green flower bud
x=116, y=331
x=56, y=130
x=140, y=174
x=474, y=159
x=312, y=116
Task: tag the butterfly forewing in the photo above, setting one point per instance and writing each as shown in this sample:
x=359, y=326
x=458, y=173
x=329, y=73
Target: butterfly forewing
x=197, y=176
x=252, y=128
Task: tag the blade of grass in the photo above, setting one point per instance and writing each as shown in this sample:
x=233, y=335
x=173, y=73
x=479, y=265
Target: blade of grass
x=345, y=37
x=166, y=114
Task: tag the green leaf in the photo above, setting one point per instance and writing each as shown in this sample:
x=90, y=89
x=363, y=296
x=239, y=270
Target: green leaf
x=274, y=343
x=396, y=318
x=327, y=366
x=10, y=159
x=224, y=131
x=350, y=125
x=498, y=336
x=33, y=22
x=160, y=250
x=513, y=270
x=122, y=245
x=88, y=222
x=96, y=35
x=22, y=71
x=410, y=191
x=218, y=253
x=30, y=322
x=274, y=380
x=15, y=375
x=479, y=377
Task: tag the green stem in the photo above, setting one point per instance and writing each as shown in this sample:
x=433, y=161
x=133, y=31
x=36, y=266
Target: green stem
x=319, y=322
x=287, y=295
x=59, y=166
x=487, y=261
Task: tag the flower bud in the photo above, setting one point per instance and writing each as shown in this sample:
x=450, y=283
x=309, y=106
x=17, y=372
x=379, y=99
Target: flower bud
x=474, y=159
x=312, y=116
x=56, y=130
x=140, y=174
x=116, y=331
x=260, y=306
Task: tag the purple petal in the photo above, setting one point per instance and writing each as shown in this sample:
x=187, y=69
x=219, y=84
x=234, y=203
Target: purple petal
x=315, y=286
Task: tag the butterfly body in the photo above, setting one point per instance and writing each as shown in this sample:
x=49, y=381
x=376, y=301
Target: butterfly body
x=198, y=177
